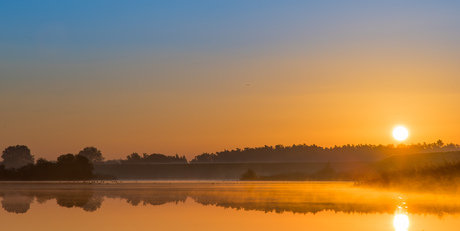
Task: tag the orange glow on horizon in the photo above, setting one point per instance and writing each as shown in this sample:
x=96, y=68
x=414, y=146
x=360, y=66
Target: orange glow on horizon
x=352, y=100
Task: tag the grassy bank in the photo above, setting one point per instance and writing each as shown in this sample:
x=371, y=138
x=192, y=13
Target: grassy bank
x=327, y=173
x=437, y=177
x=221, y=171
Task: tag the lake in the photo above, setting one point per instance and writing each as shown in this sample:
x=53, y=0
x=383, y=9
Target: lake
x=224, y=206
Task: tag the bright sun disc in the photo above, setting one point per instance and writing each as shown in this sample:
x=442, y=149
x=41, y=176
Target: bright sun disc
x=400, y=133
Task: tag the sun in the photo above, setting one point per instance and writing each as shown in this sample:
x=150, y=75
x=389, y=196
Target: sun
x=400, y=133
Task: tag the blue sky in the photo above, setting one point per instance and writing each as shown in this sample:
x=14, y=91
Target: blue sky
x=104, y=29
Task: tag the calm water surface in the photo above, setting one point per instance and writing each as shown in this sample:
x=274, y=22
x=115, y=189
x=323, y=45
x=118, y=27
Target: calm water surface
x=220, y=206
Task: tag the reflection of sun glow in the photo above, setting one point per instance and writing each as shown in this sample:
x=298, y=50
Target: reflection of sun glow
x=401, y=222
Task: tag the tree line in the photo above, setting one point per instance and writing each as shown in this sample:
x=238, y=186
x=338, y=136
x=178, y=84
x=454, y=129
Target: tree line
x=66, y=167
x=314, y=153
x=16, y=157
x=135, y=158
x=19, y=164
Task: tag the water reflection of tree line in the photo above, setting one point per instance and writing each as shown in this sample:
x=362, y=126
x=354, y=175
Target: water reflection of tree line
x=19, y=202
x=15, y=202
x=90, y=199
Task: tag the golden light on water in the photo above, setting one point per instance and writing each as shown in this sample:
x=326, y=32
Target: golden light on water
x=401, y=222
x=400, y=133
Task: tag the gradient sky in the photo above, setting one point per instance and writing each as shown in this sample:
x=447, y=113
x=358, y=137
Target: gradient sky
x=189, y=77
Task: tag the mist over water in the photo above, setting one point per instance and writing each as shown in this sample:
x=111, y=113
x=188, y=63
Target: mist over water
x=211, y=205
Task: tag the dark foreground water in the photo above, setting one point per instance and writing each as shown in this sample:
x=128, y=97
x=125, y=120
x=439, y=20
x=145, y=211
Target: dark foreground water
x=214, y=206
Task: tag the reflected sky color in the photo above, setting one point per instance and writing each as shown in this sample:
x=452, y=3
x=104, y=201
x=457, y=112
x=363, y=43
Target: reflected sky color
x=217, y=205
x=118, y=215
x=191, y=77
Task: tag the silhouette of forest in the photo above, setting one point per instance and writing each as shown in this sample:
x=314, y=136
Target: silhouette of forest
x=314, y=153
x=297, y=162
x=154, y=158
x=67, y=167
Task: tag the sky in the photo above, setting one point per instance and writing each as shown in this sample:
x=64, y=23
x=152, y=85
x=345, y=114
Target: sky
x=188, y=77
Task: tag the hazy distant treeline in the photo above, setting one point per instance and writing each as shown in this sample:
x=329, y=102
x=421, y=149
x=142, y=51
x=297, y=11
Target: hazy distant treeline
x=314, y=153
x=135, y=158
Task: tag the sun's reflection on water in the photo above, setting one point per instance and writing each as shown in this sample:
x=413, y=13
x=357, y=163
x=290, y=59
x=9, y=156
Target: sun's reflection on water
x=401, y=220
